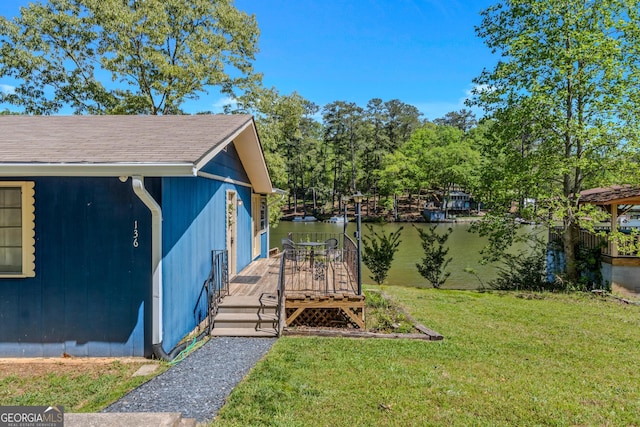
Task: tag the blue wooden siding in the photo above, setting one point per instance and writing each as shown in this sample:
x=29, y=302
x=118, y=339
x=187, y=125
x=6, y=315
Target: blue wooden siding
x=245, y=229
x=89, y=296
x=264, y=245
x=194, y=224
x=227, y=164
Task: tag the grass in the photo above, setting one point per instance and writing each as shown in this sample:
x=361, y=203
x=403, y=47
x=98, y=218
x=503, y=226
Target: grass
x=384, y=316
x=507, y=359
x=85, y=387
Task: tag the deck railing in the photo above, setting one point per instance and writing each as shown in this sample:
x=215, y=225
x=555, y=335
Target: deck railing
x=598, y=241
x=310, y=268
x=281, y=290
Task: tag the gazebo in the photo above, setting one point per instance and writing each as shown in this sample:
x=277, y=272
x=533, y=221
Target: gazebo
x=620, y=268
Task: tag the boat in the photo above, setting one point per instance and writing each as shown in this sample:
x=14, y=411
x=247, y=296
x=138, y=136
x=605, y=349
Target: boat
x=308, y=218
x=337, y=220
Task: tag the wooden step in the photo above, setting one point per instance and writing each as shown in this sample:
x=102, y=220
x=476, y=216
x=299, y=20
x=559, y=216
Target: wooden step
x=247, y=316
x=239, y=320
x=250, y=304
x=264, y=300
x=244, y=332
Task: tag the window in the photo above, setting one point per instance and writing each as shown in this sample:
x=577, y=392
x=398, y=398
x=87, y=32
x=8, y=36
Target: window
x=17, y=238
x=264, y=221
x=259, y=219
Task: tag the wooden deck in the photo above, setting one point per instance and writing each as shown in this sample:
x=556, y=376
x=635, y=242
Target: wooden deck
x=318, y=292
x=259, y=277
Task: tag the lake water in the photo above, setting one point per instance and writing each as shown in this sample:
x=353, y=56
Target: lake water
x=464, y=248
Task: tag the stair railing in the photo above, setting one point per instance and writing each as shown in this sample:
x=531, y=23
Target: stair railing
x=216, y=286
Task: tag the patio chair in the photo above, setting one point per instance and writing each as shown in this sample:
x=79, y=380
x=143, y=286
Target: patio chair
x=287, y=241
x=331, y=248
x=291, y=253
x=332, y=254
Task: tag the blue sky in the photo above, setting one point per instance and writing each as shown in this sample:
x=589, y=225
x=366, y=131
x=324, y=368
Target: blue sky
x=422, y=52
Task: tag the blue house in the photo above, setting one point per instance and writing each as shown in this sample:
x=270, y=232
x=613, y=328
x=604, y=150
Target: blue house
x=107, y=226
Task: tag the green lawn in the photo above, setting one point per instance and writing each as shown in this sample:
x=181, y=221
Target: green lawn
x=507, y=359
x=79, y=387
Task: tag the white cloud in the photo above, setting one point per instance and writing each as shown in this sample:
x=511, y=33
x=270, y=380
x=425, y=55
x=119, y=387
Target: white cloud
x=218, y=106
x=480, y=89
x=7, y=88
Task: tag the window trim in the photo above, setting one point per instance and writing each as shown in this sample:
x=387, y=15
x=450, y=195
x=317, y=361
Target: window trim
x=258, y=201
x=27, y=190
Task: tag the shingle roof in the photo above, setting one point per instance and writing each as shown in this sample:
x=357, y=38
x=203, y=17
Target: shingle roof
x=127, y=146
x=114, y=139
x=616, y=194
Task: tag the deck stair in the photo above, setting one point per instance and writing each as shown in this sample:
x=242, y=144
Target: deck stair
x=247, y=316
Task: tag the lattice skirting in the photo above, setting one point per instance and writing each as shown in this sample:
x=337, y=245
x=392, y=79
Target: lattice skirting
x=325, y=312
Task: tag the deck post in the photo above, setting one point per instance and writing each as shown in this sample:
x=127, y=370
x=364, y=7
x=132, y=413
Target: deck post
x=358, y=199
x=614, y=227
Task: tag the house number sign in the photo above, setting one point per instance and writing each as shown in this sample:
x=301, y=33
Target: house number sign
x=135, y=234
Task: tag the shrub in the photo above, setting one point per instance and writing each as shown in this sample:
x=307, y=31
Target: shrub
x=378, y=252
x=435, y=261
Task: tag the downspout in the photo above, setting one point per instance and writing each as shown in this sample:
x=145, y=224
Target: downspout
x=137, y=182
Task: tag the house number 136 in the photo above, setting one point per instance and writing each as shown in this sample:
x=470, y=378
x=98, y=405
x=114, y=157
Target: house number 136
x=135, y=234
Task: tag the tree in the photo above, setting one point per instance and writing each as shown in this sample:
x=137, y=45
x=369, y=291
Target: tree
x=379, y=250
x=564, y=97
x=159, y=53
x=388, y=126
x=291, y=139
x=344, y=133
x=463, y=120
x=435, y=261
x=438, y=157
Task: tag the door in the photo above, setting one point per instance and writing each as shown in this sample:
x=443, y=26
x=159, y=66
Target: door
x=232, y=222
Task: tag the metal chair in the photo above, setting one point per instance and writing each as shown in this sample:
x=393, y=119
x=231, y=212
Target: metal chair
x=333, y=255
x=331, y=248
x=287, y=241
x=291, y=253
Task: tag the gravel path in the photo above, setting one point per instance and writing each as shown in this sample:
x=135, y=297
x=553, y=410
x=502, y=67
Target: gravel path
x=199, y=385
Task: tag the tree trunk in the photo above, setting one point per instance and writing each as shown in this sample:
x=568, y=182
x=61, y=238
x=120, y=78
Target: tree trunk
x=570, y=239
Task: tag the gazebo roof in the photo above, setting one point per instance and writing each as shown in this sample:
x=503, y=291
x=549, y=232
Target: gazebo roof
x=613, y=195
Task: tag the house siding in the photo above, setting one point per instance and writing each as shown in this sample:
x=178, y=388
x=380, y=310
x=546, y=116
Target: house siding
x=194, y=224
x=90, y=294
x=264, y=245
x=227, y=164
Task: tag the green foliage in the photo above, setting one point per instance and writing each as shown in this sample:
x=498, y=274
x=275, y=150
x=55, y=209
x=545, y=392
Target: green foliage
x=435, y=261
x=501, y=232
x=385, y=316
x=562, y=102
x=290, y=137
x=627, y=242
x=589, y=266
x=275, y=203
x=378, y=252
x=161, y=52
x=463, y=120
x=434, y=157
x=525, y=271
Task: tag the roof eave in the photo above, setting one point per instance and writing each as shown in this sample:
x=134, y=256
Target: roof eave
x=247, y=144
x=620, y=201
x=96, y=169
